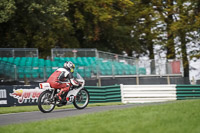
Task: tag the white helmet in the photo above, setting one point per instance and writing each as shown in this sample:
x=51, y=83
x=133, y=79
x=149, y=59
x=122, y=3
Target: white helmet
x=69, y=66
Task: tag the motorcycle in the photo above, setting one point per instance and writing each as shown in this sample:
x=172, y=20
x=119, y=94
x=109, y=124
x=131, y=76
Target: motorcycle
x=78, y=96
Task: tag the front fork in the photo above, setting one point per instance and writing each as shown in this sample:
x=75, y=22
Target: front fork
x=52, y=94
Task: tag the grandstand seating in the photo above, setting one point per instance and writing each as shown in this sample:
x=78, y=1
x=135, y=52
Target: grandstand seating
x=34, y=67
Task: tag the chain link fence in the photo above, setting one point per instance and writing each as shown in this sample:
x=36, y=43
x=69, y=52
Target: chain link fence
x=18, y=52
x=90, y=63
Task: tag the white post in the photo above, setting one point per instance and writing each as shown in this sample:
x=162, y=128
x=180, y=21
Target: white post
x=122, y=94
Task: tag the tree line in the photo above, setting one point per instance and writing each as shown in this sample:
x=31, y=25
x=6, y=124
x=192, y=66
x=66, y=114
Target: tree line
x=108, y=25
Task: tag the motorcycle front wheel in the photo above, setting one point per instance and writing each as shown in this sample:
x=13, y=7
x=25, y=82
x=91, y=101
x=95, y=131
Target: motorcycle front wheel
x=45, y=103
x=82, y=99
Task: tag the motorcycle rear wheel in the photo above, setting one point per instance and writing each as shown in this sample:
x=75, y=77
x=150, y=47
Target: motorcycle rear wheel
x=82, y=99
x=45, y=103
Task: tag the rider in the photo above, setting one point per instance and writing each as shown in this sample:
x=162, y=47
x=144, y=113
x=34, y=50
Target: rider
x=60, y=75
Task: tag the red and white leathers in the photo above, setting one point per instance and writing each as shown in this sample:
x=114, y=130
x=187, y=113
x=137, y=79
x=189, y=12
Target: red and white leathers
x=60, y=75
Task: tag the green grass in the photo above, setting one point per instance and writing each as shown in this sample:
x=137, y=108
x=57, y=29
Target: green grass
x=176, y=117
x=17, y=109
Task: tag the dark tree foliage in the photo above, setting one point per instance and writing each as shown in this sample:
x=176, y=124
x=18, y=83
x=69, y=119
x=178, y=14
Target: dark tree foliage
x=108, y=25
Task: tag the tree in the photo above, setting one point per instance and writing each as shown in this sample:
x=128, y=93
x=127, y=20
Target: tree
x=101, y=24
x=186, y=23
x=7, y=10
x=165, y=8
x=144, y=19
x=34, y=23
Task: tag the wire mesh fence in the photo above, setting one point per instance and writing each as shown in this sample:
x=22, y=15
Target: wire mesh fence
x=90, y=63
x=18, y=52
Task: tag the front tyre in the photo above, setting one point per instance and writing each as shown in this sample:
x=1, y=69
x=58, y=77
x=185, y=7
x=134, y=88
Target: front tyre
x=82, y=99
x=45, y=103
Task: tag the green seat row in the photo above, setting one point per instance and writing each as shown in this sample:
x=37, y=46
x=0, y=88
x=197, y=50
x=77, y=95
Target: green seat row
x=104, y=67
x=33, y=67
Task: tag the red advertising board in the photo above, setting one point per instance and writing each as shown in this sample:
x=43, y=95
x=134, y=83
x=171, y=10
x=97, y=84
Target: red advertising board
x=176, y=65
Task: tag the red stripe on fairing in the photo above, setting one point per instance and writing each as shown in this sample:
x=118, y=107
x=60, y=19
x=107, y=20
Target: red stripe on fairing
x=75, y=81
x=41, y=86
x=67, y=98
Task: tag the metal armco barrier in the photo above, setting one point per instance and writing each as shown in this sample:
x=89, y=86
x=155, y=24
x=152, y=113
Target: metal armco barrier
x=147, y=93
x=158, y=93
x=28, y=95
x=104, y=93
x=188, y=92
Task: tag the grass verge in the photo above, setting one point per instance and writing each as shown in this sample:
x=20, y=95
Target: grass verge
x=176, y=117
x=17, y=109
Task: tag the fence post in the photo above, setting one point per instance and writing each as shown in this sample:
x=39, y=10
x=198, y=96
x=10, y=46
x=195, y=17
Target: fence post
x=122, y=93
x=137, y=80
x=99, y=81
x=15, y=68
x=168, y=80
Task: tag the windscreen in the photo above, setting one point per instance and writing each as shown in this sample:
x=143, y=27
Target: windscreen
x=78, y=76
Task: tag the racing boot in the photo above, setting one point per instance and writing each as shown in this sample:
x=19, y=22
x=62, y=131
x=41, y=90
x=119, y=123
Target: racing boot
x=58, y=96
x=61, y=96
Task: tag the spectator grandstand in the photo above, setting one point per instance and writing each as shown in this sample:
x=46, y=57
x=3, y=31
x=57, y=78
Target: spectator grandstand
x=34, y=67
x=90, y=63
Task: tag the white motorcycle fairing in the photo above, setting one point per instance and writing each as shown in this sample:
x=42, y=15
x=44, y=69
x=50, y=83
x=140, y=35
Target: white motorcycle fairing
x=72, y=93
x=45, y=86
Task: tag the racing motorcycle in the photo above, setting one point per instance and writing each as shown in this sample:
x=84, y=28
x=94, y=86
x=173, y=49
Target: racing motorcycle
x=78, y=96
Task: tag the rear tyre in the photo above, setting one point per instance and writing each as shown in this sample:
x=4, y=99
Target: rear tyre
x=82, y=99
x=45, y=103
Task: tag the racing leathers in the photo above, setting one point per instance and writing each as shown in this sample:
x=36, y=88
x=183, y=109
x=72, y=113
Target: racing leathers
x=60, y=75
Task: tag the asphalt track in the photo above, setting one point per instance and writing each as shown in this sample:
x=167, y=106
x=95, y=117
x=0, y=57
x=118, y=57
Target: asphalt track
x=12, y=118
